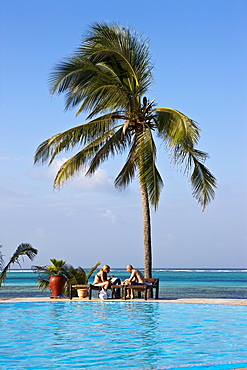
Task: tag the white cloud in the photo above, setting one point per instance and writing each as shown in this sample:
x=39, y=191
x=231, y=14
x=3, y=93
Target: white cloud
x=71, y=214
x=109, y=214
x=11, y=158
x=40, y=231
x=46, y=172
x=100, y=180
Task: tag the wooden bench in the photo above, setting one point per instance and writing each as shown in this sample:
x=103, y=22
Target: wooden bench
x=139, y=288
x=144, y=288
x=88, y=287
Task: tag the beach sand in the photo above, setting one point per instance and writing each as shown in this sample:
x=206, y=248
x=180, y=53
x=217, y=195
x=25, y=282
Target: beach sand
x=242, y=302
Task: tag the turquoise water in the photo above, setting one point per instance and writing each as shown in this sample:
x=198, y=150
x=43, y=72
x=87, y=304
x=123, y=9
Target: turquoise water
x=173, y=283
x=121, y=335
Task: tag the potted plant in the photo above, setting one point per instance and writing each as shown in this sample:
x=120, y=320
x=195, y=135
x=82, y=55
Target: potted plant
x=67, y=273
x=57, y=277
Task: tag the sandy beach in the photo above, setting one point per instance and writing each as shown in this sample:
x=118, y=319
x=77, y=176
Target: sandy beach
x=242, y=302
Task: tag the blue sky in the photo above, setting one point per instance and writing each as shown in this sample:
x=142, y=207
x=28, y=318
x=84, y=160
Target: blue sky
x=199, y=52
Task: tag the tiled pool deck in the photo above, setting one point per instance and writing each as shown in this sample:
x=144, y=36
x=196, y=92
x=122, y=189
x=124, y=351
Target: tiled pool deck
x=180, y=300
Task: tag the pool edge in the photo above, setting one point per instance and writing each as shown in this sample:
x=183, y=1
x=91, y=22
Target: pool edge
x=238, y=302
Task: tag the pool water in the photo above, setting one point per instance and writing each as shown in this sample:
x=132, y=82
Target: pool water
x=121, y=335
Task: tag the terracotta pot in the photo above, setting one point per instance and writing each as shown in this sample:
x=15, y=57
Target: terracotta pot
x=57, y=283
x=82, y=293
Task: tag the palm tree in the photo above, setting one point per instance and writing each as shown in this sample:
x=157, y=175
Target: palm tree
x=22, y=249
x=108, y=76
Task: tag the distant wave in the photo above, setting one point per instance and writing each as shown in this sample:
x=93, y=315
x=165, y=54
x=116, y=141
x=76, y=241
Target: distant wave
x=199, y=270
x=158, y=270
x=30, y=270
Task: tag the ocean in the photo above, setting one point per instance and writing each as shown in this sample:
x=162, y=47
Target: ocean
x=174, y=283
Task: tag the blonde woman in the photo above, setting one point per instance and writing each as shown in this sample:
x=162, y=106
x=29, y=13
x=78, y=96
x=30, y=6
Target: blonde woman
x=101, y=277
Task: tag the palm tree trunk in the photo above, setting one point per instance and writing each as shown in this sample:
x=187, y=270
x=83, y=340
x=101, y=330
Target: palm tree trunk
x=146, y=232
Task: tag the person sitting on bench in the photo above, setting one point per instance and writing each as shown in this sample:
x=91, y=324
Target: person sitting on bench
x=136, y=278
x=101, y=278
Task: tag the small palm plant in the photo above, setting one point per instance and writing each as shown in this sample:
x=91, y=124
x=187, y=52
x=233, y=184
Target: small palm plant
x=60, y=267
x=22, y=249
x=57, y=268
x=78, y=276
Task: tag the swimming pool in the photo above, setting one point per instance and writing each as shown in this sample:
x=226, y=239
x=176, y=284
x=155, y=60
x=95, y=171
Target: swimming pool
x=120, y=335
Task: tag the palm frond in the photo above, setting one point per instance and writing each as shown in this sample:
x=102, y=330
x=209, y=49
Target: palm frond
x=91, y=271
x=96, y=92
x=57, y=266
x=203, y=184
x=120, y=48
x=80, y=159
x=115, y=144
x=111, y=64
x=202, y=180
x=40, y=269
x=127, y=173
x=22, y=249
x=102, y=98
x=1, y=259
x=174, y=127
x=43, y=284
x=78, y=276
x=180, y=135
x=79, y=135
x=73, y=74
